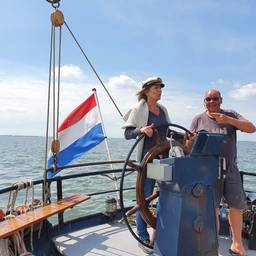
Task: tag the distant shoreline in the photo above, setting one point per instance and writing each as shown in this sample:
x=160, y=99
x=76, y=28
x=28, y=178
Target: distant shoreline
x=39, y=136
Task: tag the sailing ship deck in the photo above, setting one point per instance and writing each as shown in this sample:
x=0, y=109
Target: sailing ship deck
x=112, y=239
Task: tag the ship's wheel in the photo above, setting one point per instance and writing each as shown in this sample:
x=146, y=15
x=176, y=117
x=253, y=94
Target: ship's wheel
x=142, y=202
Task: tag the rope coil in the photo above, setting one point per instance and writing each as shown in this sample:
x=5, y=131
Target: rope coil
x=15, y=245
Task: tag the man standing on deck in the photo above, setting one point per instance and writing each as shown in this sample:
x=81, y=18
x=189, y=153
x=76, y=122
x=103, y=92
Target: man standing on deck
x=215, y=119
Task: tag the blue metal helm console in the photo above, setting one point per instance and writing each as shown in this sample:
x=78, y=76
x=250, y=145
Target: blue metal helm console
x=186, y=221
x=207, y=143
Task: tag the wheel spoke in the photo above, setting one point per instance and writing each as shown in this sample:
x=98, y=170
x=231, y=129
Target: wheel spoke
x=135, y=166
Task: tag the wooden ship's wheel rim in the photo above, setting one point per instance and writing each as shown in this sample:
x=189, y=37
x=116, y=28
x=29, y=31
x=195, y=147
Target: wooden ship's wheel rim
x=143, y=203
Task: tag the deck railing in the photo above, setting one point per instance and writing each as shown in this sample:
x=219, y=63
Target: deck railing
x=59, y=181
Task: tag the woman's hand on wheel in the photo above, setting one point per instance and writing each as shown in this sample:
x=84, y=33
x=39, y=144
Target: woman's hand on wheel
x=148, y=130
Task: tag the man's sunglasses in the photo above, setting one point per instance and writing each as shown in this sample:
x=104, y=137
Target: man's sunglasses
x=208, y=99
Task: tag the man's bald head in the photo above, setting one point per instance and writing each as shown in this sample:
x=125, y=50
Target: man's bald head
x=211, y=92
x=212, y=100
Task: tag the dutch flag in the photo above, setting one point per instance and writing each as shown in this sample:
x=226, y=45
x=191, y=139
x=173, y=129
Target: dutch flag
x=80, y=131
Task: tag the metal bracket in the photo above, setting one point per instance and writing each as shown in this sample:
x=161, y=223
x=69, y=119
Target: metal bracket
x=55, y=3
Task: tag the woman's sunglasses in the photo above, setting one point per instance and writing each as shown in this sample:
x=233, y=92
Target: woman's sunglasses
x=208, y=99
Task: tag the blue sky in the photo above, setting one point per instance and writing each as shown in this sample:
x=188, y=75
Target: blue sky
x=193, y=45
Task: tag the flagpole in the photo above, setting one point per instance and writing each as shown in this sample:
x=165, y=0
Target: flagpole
x=106, y=142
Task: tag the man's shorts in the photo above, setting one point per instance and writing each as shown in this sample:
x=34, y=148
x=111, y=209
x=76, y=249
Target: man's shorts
x=232, y=191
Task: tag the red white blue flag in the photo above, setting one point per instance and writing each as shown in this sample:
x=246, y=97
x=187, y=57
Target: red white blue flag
x=80, y=131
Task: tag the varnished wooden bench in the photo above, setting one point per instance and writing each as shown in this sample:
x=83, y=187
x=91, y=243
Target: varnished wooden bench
x=25, y=220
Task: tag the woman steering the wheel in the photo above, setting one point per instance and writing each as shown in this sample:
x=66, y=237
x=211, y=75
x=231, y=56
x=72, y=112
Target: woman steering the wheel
x=142, y=119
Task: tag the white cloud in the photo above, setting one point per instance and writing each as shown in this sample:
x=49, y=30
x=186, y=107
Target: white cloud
x=123, y=90
x=191, y=107
x=244, y=92
x=10, y=110
x=221, y=82
x=122, y=82
x=23, y=103
x=182, y=106
x=70, y=71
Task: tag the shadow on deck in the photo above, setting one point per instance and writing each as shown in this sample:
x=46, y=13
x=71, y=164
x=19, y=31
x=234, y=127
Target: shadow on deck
x=112, y=240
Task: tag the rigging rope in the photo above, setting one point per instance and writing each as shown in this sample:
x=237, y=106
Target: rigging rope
x=57, y=20
x=15, y=245
x=56, y=4
x=48, y=118
x=58, y=97
x=93, y=69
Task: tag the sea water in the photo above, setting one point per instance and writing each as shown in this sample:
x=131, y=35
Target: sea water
x=23, y=158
